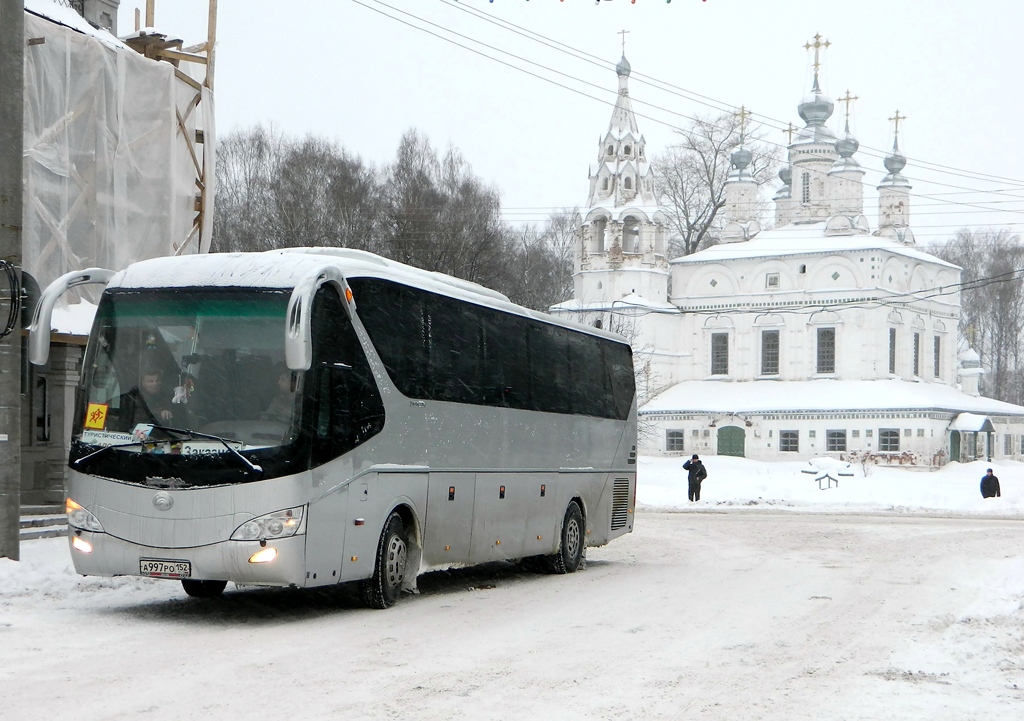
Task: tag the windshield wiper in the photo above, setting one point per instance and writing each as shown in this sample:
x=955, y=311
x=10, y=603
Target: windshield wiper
x=188, y=434
x=79, y=462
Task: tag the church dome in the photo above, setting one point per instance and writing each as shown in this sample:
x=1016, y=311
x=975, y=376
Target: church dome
x=847, y=145
x=895, y=162
x=816, y=108
x=623, y=69
x=741, y=157
x=786, y=174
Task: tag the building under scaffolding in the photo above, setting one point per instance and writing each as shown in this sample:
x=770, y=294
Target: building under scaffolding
x=118, y=167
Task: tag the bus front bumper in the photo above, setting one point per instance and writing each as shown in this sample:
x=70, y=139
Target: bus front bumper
x=100, y=554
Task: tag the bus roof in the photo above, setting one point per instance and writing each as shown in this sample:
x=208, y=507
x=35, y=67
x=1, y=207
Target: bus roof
x=287, y=267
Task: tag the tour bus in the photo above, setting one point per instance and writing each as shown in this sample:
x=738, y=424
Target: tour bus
x=317, y=416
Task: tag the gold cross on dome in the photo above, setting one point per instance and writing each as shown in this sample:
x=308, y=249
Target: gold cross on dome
x=896, y=119
x=817, y=45
x=743, y=114
x=789, y=132
x=848, y=99
x=623, y=33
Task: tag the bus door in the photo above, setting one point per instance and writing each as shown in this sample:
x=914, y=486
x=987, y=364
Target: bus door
x=449, y=523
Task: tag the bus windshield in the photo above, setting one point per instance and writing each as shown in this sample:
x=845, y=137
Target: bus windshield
x=196, y=374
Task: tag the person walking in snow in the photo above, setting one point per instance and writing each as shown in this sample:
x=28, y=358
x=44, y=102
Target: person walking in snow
x=990, y=485
x=695, y=474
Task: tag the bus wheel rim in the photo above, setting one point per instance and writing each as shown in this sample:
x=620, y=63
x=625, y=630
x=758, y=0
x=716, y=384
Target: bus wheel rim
x=396, y=561
x=572, y=538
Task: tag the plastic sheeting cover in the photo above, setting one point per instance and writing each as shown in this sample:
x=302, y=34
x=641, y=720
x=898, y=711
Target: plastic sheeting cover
x=109, y=178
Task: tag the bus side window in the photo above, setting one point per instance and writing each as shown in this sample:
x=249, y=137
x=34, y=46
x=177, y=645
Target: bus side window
x=348, y=409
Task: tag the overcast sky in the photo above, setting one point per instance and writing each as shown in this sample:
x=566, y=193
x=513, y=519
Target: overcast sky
x=344, y=70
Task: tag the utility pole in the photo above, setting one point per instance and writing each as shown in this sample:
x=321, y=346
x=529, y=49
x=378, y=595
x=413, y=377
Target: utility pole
x=12, y=99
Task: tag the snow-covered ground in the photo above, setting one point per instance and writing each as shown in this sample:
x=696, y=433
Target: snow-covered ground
x=897, y=595
x=954, y=488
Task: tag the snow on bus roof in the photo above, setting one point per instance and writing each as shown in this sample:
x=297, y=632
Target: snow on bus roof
x=286, y=268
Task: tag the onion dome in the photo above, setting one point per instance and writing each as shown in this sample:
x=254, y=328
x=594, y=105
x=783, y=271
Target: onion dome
x=895, y=161
x=786, y=174
x=817, y=107
x=741, y=158
x=623, y=69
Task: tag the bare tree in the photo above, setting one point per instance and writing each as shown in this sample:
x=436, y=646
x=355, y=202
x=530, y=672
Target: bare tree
x=992, y=306
x=690, y=177
x=247, y=164
x=441, y=217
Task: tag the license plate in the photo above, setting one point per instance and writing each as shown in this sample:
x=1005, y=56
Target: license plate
x=163, y=568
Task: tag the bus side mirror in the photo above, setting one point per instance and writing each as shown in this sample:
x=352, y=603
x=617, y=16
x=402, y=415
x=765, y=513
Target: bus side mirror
x=39, y=330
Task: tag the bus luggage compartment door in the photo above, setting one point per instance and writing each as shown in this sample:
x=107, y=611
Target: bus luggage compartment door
x=449, y=522
x=499, y=517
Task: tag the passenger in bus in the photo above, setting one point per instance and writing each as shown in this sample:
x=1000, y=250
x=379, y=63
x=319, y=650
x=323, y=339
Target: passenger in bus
x=280, y=408
x=148, y=402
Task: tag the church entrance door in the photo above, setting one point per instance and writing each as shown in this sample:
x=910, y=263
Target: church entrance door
x=731, y=441
x=954, y=446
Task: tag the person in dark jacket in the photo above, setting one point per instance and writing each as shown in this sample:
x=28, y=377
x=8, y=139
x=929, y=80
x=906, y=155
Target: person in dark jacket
x=990, y=485
x=696, y=474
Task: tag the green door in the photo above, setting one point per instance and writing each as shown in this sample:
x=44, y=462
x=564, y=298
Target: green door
x=954, y=446
x=730, y=441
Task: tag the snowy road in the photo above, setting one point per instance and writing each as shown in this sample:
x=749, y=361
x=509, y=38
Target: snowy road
x=735, y=615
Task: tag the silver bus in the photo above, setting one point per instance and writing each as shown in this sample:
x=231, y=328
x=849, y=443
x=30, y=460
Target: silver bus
x=317, y=416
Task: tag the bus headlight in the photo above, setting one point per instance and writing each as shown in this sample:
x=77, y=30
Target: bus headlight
x=279, y=524
x=78, y=517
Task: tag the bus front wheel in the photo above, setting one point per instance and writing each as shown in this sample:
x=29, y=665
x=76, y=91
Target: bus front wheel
x=570, y=550
x=203, y=589
x=381, y=591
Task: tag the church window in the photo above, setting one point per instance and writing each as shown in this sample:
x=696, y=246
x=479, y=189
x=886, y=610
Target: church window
x=917, y=354
x=789, y=441
x=628, y=183
x=826, y=350
x=769, y=352
x=906, y=432
x=631, y=235
x=604, y=184
x=920, y=432
x=626, y=149
x=599, y=228
x=805, y=192
x=937, y=356
x=719, y=354
x=889, y=439
x=771, y=280
x=1007, y=445
x=696, y=433
x=803, y=268
x=611, y=150
x=835, y=440
x=892, y=350
x=855, y=434
x=674, y=441
x=600, y=285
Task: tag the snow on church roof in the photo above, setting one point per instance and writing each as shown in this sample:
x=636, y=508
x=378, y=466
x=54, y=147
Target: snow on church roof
x=823, y=395
x=803, y=239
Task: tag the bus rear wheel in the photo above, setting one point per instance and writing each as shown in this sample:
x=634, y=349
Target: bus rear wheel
x=570, y=550
x=203, y=589
x=382, y=590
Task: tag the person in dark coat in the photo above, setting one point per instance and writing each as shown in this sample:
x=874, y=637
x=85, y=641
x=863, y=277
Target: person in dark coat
x=696, y=474
x=990, y=485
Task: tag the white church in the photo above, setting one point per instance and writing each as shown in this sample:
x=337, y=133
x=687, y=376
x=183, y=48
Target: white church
x=817, y=337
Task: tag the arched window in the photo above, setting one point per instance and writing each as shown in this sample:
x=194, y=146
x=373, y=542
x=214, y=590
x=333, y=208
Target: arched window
x=600, y=285
x=631, y=235
x=626, y=149
x=611, y=150
x=806, y=191
x=599, y=228
x=604, y=184
x=628, y=183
